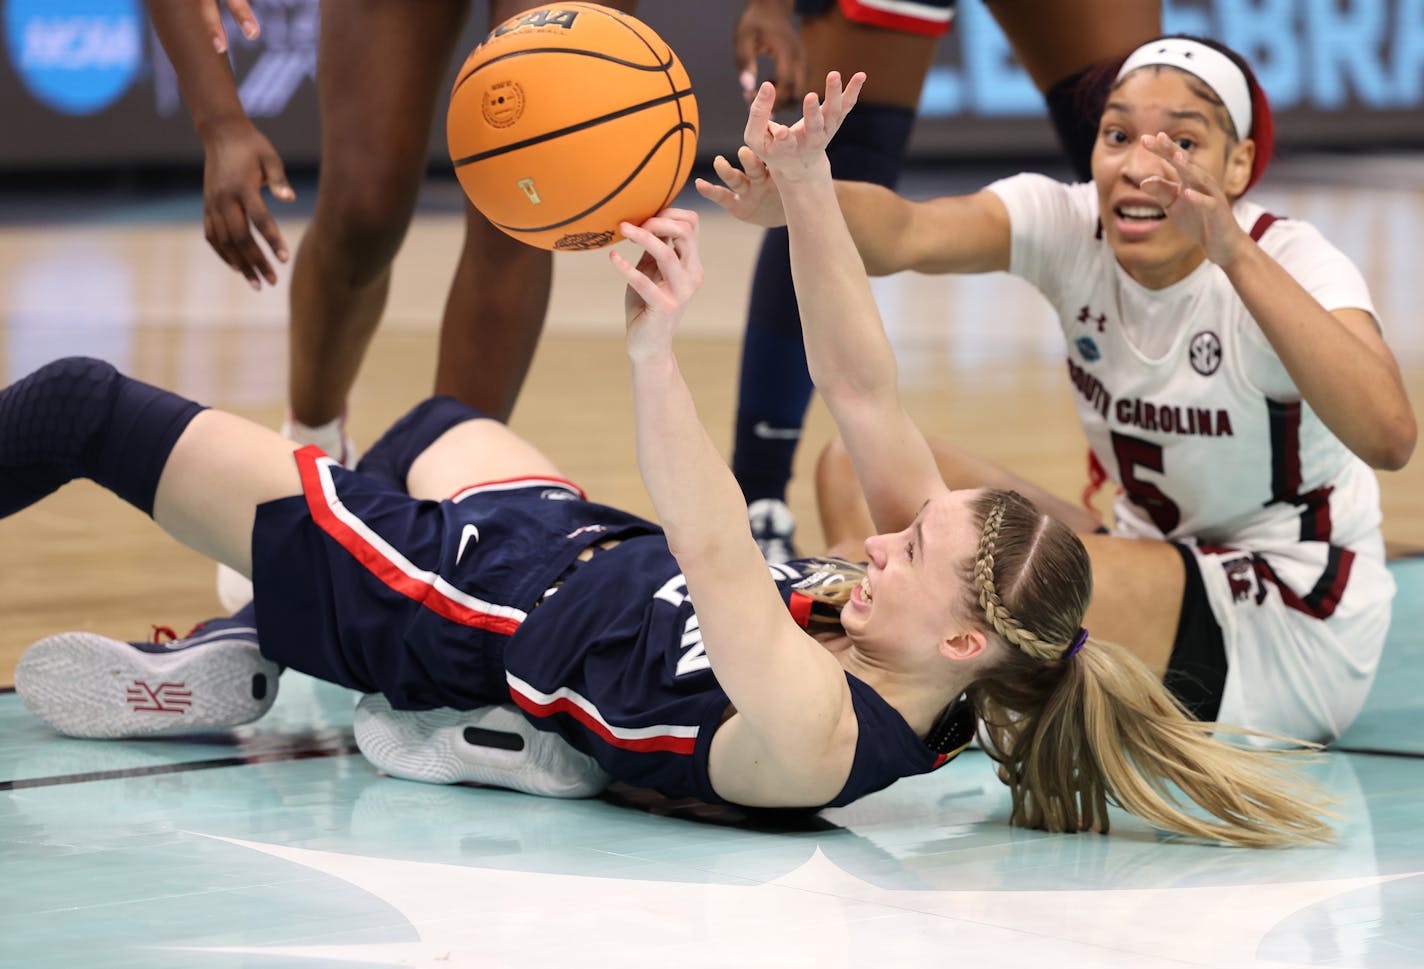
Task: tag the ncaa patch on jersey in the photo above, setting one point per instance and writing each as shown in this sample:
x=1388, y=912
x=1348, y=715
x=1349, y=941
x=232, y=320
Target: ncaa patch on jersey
x=1088, y=349
x=1205, y=352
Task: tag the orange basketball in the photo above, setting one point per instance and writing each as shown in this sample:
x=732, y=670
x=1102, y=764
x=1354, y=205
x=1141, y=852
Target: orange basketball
x=568, y=119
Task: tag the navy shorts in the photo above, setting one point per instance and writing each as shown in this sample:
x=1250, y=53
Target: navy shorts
x=359, y=584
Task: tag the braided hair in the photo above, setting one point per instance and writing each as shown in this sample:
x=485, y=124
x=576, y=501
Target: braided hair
x=1074, y=731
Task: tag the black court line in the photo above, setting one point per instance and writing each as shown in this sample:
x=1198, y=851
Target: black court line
x=1377, y=752
x=307, y=753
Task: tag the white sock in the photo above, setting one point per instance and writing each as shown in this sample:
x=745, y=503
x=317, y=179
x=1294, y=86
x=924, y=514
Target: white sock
x=330, y=437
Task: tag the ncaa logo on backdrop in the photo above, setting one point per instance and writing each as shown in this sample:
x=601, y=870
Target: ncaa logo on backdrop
x=77, y=56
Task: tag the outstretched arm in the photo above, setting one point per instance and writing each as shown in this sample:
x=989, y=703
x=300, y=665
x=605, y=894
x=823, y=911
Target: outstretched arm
x=790, y=695
x=950, y=234
x=1339, y=360
x=238, y=159
x=850, y=358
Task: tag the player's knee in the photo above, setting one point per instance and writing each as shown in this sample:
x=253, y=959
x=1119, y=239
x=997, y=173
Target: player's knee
x=833, y=465
x=363, y=226
x=78, y=379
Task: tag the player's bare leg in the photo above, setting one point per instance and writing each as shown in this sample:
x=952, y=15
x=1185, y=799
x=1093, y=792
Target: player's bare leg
x=382, y=67
x=498, y=300
x=1055, y=40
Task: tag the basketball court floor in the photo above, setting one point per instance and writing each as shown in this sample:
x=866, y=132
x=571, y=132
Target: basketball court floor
x=278, y=846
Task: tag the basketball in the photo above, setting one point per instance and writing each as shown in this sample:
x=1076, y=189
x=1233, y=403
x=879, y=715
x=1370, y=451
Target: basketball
x=569, y=119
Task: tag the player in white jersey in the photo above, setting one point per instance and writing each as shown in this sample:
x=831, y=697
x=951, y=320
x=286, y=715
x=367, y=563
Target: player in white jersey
x=1230, y=375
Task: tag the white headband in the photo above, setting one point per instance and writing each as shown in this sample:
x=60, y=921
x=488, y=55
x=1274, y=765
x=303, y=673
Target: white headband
x=1218, y=71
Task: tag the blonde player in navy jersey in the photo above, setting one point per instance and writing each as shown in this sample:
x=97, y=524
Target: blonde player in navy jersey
x=1230, y=375
x=672, y=656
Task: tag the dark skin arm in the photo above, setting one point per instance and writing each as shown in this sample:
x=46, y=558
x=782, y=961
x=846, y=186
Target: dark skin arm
x=238, y=159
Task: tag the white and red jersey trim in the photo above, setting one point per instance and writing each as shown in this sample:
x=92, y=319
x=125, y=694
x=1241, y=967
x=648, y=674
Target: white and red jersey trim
x=384, y=561
x=670, y=738
x=514, y=484
x=907, y=16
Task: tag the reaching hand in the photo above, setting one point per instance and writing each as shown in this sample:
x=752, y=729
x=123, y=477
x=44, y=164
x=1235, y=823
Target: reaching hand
x=765, y=28
x=1194, y=201
x=663, y=282
x=241, y=12
x=239, y=161
x=749, y=193
x=793, y=152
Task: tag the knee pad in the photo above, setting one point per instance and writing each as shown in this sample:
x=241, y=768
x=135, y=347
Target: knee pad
x=80, y=417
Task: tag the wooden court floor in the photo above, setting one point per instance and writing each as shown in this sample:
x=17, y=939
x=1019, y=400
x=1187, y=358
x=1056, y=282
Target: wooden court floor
x=278, y=846
x=981, y=364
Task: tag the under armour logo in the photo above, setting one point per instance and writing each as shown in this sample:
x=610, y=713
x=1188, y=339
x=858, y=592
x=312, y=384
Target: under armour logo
x=1085, y=315
x=163, y=698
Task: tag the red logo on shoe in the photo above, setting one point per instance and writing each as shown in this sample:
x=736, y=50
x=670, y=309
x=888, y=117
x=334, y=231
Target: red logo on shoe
x=163, y=698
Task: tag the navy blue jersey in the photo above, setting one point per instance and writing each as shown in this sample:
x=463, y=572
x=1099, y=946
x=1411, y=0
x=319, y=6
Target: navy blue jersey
x=482, y=599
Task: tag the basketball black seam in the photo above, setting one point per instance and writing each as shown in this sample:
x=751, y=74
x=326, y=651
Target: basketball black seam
x=559, y=133
x=603, y=201
x=681, y=118
x=592, y=8
x=563, y=50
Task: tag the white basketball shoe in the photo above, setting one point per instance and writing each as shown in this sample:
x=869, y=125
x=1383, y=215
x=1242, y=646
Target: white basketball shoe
x=86, y=685
x=492, y=745
x=773, y=527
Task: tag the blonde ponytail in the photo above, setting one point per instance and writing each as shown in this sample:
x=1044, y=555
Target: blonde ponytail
x=1073, y=733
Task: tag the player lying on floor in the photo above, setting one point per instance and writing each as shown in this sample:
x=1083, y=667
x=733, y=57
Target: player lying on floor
x=801, y=686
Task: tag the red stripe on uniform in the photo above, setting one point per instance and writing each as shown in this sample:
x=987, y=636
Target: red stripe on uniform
x=1284, y=421
x=523, y=481
x=1315, y=515
x=1322, y=601
x=1325, y=598
x=1262, y=224
x=862, y=13
x=799, y=606
x=642, y=745
x=378, y=564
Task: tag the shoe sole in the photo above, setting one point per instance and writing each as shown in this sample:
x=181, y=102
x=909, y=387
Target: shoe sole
x=503, y=749
x=87, y=685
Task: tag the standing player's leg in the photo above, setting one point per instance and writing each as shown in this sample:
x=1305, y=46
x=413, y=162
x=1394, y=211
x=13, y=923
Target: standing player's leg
x=1059, y=43
x=775, y=387
x=382, y=65
x=497, y=302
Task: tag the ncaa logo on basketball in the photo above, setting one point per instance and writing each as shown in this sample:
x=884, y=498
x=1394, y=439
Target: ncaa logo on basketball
x=538, y=18
x=77, y=56
x=1205, y=353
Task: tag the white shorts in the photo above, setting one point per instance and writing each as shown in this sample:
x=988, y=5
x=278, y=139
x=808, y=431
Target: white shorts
x=1303, y=629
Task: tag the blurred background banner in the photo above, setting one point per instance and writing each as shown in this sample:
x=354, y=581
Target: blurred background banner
x=84, y=83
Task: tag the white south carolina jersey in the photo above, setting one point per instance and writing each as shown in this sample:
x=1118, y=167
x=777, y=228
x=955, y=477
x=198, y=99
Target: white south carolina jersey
x=1191, y=413
x=1184, y=402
